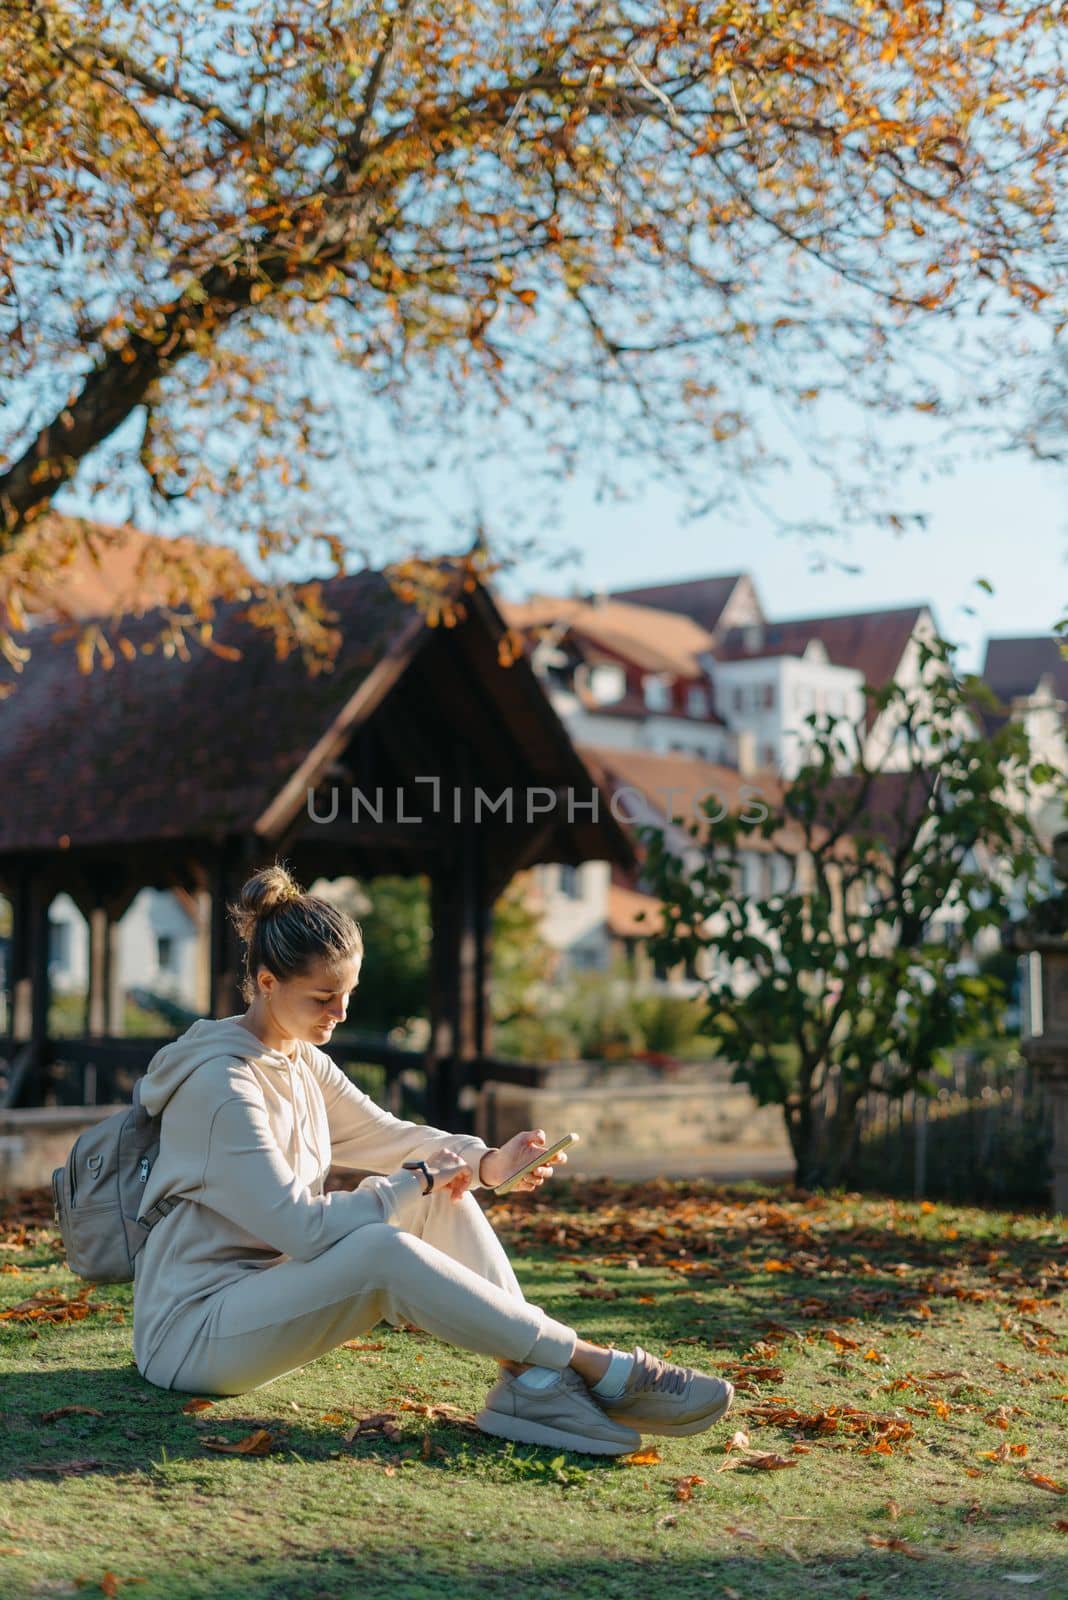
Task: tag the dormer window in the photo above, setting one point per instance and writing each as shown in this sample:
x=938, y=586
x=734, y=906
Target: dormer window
x=656, y=687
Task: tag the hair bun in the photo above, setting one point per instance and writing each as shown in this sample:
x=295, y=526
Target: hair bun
x=264, y=893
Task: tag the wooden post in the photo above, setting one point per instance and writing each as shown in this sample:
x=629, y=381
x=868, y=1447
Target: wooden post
x=20, y=985
x=459, y=977
x=225, y=989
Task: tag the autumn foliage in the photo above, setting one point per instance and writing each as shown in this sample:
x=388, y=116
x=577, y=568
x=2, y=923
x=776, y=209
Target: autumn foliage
x=229, y=238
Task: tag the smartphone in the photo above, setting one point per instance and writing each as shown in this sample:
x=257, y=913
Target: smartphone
x=537, y=1160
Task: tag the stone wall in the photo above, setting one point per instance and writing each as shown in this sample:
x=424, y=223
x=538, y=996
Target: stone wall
x=707, y=1120
x=35, y=1141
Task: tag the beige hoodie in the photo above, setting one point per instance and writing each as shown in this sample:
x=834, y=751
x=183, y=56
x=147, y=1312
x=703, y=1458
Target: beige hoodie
x=247, y=1138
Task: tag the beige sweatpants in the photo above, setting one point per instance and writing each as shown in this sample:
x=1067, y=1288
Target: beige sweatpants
x=448, y=1274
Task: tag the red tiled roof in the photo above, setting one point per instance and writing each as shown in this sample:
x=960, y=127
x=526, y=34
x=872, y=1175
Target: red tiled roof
x=656, y=641
x=702, y=599
x=873, y=642
x=1013, y=667
x=677, y=784
x=633, y=915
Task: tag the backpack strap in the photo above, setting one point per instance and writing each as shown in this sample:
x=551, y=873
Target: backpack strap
x=156, y=1213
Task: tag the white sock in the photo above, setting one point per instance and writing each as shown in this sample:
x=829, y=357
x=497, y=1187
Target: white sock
x=537, y=1377
x=611, y=1386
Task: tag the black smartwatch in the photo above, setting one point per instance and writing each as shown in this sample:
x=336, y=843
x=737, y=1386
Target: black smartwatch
x=420, y=1166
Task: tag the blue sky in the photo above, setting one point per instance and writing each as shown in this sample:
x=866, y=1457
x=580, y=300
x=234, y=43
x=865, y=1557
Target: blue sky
x=1004, y=518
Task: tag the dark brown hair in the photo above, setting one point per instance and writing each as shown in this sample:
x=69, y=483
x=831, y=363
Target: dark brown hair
x=285, y=929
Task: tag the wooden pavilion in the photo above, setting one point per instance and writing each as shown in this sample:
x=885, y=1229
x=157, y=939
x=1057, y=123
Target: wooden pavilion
x=419, y=753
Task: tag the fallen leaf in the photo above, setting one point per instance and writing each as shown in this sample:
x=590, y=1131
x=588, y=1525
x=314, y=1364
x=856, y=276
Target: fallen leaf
x=684, y=1486
x=895, y=1543
x=381, y=1422
x=70, y=1411
x=642, y=1458
x=666, y=1522
x=193, y=1406
x=63, y=1469
x=893, y=1510
x=335, y=1416
x=360, y=1344
x=1041, y=1481
x=257, y=1443
x=743, y=1533
x=767, y=1461
x=737, y=1441
x=111, y=1583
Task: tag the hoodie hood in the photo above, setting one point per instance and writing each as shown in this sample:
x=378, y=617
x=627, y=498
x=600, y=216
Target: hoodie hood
x=207, y=1039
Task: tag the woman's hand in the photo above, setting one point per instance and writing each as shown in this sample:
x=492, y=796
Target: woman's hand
x=450, y=1171
x=499, y=1164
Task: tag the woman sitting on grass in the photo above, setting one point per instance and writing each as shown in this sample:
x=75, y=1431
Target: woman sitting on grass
x=261, y=1270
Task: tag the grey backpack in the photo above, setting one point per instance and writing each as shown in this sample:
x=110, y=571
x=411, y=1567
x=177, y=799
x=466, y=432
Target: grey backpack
x=97, y=1194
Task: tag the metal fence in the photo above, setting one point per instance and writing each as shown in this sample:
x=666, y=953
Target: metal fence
x=983, y=1135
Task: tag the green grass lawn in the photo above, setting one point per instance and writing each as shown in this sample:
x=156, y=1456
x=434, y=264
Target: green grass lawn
x=901, y=1425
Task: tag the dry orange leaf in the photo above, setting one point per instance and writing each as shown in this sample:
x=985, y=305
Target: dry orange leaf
x=110, y=1584
x=1041, y=1481
x=894, y=1542
x=70, y=1411
x=194, y=1406
x=1060, y=1526
x=642, y=1458
x=382, y=1422
x=872, y=1355
x=335, y=1416
x=361, y=1344
x=684, y=1486
x=737, y=1441
x=257, y=1443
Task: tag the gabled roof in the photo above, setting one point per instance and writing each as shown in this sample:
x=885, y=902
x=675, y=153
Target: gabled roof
x=701, y=599
x=676, y=785
x=873, y=642
x=1014, y=667
x=655, y=641
x=158, y=749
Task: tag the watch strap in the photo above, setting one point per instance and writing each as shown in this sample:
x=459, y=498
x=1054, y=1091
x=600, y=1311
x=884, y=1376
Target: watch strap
x=420, y=1166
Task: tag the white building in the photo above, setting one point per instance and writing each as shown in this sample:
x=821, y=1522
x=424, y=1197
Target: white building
x=160, y=948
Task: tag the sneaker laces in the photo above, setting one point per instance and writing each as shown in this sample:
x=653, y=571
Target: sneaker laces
x=650, y=1372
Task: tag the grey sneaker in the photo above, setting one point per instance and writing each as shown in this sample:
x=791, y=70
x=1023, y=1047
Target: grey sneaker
x=564, y=1414
x=662, y=1398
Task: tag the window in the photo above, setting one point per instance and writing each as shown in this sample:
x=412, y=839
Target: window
x=697, y=702
x=768, y=755
x=58, y=944
x=570, y=883
x=657, y=689
x=769, y=696
x=165, y=952
x=739, y=698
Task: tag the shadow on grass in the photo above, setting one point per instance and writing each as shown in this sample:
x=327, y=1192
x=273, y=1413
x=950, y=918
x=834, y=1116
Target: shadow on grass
x=485, y=1569
x=140, y=1428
